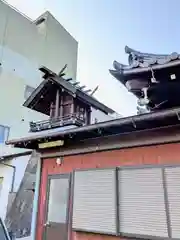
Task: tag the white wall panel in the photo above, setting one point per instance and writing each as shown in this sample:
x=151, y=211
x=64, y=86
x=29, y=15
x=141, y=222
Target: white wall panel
x=173, y=190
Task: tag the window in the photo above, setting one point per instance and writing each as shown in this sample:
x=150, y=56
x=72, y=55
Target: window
x=58, y=200
x=28, y=91
x=4, y=133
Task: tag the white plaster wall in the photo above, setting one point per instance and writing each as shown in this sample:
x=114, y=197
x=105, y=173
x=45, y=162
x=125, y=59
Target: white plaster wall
x=7, y=176
x=7, y=173
x=13, y=114
x=46, y=44
x=20, y=163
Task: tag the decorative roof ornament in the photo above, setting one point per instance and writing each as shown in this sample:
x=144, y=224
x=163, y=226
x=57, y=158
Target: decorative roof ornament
x=61, y=73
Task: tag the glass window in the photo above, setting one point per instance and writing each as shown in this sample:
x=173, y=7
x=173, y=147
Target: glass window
x=4, y=133
x=58, y=200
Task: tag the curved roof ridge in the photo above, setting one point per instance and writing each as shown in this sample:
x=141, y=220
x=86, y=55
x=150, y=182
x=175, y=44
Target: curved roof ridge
x=143, y=62
x=129, y=50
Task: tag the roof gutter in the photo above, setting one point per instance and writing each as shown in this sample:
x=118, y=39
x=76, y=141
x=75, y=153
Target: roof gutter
x=108, y=124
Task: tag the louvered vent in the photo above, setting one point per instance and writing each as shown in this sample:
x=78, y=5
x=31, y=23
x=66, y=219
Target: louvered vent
x=173, y=190
x=141, y=202
x=94, y=206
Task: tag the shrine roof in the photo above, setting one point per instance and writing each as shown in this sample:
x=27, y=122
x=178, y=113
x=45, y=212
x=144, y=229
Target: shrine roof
x=41, y=97
x=140, y=63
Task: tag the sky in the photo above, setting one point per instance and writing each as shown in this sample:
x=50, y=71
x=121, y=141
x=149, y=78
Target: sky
x=103, y=28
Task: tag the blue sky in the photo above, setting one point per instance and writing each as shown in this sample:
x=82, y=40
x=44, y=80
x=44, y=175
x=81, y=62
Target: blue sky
x=103, y=28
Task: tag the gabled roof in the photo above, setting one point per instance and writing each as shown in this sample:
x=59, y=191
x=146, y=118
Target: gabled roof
x=51, y=80
x=143, y=62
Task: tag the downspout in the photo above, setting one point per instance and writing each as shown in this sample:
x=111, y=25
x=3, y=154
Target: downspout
x=14, y=174
x=36, y=199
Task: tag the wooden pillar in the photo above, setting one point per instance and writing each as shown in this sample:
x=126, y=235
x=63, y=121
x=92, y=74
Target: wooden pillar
x=88, y=120
x=51, y=110
x=61, y=106
x=86, y=116
x=57, y=104
x=72, y=106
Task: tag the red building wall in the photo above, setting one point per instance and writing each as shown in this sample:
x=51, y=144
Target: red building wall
x=159, y=154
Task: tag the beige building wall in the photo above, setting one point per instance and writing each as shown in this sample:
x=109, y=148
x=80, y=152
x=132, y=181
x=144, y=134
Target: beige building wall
x=63, y=46
x=46, y=43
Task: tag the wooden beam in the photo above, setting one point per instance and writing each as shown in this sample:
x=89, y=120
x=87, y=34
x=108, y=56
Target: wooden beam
x=72, y=106
x=57, y=104
x=61, y=106
x=51, y=110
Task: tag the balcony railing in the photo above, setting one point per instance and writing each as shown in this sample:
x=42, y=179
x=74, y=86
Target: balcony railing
x=71, y=119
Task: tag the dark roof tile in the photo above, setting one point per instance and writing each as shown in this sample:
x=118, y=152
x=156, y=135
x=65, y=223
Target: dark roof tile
x=144, y=61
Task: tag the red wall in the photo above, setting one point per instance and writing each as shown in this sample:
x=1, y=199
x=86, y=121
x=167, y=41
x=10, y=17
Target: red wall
x=159, y=154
